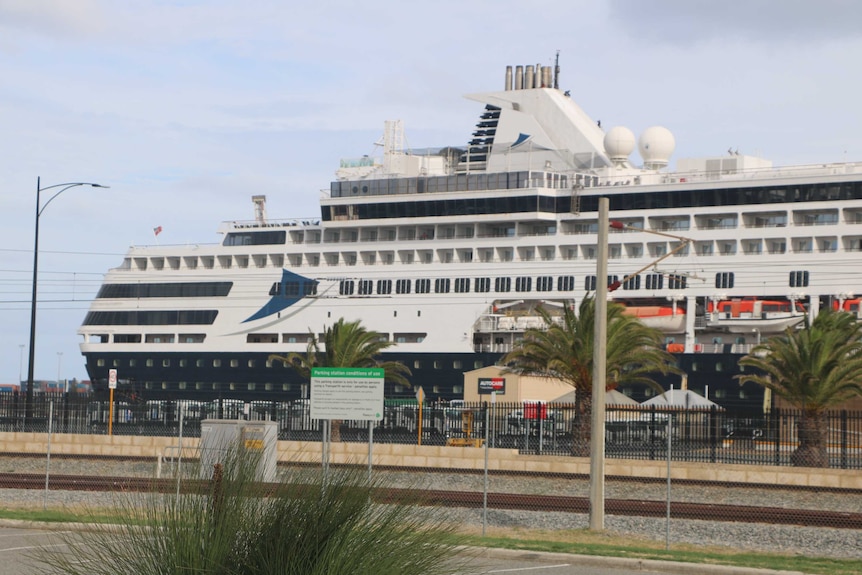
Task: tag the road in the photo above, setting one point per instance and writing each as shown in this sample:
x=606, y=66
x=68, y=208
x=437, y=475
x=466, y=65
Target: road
x=17, y=543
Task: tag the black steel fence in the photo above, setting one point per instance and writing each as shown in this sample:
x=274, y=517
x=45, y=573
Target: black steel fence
x=700, y=435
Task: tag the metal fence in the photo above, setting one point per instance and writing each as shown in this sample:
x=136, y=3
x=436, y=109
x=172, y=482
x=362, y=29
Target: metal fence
x=697, y=435
x=769, y=515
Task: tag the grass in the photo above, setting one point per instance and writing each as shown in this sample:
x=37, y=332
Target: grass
x=607, y=544
x=313, y=524
x=579, y=542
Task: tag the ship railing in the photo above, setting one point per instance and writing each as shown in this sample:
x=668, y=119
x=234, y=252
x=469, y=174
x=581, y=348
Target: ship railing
x=256, y=225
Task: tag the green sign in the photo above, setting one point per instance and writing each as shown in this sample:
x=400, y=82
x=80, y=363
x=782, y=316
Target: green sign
x=347, y=393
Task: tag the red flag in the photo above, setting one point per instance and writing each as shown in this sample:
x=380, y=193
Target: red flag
x=157, y=230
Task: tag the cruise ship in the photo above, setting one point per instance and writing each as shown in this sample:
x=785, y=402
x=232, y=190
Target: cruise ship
x=448, y=253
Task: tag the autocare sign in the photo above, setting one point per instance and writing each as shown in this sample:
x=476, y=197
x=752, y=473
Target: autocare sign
x=346, y=393
x=489, y=385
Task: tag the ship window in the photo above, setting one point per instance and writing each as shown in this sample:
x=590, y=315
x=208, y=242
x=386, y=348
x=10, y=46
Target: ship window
x=544, y=283
x=456, y=364
x=523, y=284
x=799, y=279
x=116, y=363
x=365, y=287
x=199, y=363
x=632, y=283
x=133, y=362
x=565, y=283
x=590, y=283
x=654, y=281
x=503, y=284
x=402, y=286
x=182, y=385
x=676, y=281
x=478, y=364
x=184, y=363
x=216, y=363
x=462, y=285
x=149, y=363
x=423, y=285
x=441, y=285
x=345, y=287
x=417, y=364
x=724, y=280
x=127, y=338
x=438, y=364
x=483, y=284
x=384, y=287
x=234, y=363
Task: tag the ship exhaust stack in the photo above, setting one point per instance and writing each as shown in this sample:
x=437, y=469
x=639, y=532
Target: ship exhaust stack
x=519, y=77
x=259, y=209
x=508, y=78
x=529, y=79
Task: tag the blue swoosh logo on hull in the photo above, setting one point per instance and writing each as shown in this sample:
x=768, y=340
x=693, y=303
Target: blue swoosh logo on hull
x=292, y=288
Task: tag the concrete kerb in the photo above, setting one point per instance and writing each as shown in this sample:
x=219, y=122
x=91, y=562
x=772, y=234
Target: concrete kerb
x=628, y=563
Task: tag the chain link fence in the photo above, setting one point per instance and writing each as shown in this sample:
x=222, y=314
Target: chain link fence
x=776, y=508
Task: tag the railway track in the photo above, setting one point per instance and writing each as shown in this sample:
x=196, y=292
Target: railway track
x=474, y=499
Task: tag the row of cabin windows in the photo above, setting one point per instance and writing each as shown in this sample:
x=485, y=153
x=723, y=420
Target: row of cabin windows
x=501, y=284
x=723, y=280
x=236, y=363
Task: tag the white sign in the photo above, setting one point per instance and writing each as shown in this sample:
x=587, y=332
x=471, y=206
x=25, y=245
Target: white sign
x=346, y=393
x=112, y=379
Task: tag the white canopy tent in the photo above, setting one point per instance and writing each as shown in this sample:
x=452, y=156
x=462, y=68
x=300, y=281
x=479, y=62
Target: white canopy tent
x=681, y=399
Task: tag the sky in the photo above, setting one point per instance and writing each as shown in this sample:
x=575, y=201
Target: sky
x=187, y=108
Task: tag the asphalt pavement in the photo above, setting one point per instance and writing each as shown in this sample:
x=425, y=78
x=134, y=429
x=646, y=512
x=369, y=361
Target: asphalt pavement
x=18, y=539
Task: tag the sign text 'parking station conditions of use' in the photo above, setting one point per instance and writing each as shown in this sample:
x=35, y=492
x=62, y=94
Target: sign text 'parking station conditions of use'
x=346, y=393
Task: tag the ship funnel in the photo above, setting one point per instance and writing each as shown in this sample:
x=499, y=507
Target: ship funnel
x=508, y=78
x=519, y=77
x=529, y=79
x=259, y=209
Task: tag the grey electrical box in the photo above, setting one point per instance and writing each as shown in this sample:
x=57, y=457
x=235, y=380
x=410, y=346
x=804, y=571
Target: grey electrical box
x=220, y=436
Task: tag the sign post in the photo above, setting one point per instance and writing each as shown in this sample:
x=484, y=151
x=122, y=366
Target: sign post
x=349, y=393
x=112, y=385
x=420, y=397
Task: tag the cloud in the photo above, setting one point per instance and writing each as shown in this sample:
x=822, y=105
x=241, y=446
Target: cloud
x=51, y=18
x=788, y=22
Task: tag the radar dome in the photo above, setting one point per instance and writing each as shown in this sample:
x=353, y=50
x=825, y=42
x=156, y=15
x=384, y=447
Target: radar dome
x=619, y=144
x=656, y=146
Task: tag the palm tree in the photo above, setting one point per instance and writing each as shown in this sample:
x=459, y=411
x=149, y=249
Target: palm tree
x=346, y=344
x=564, y=350
x=813, y=369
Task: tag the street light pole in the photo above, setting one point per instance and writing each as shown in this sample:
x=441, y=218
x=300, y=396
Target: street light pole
x=59, y=364
x=28, y=402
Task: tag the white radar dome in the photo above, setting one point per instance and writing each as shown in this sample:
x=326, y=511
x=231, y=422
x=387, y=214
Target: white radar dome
x=619, y=144
x=656, y=146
